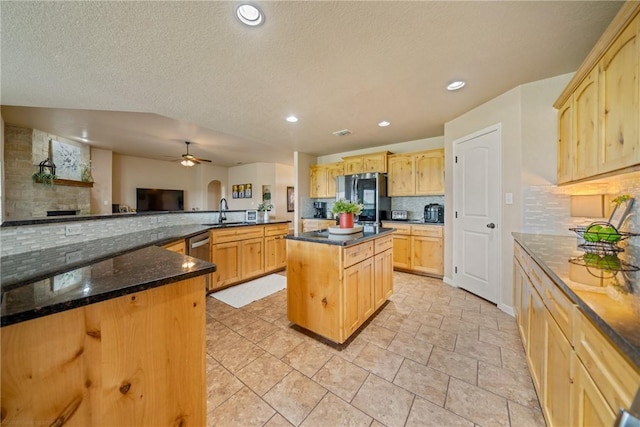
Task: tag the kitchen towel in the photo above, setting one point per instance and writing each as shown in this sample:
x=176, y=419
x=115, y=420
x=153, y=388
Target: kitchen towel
x=246, y=293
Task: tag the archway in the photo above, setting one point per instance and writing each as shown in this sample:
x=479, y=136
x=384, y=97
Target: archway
x=214, y=194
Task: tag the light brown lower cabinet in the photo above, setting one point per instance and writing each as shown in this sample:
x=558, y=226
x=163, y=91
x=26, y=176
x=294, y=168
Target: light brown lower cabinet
x=178, y=246
x=134, y=360
x=332, y=290
x=581, y=377
x=243, y=253
x=418, y=248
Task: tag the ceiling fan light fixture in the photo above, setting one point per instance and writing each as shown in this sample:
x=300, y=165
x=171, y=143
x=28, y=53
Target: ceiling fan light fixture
x=187, y=162
x=455, y=85
x=249, y=14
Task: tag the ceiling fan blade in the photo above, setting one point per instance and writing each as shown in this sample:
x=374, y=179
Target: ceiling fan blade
x=202, y=160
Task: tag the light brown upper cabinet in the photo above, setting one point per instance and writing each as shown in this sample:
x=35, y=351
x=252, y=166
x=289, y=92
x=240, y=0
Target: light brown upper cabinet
x=599, y=110
x=322, y=179
x=374, y=162
x=416, y=174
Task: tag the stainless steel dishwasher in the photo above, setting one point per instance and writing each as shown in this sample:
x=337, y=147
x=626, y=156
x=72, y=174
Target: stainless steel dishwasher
x=199, y=246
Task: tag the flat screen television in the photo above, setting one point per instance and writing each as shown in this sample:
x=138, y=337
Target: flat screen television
x=154, y=199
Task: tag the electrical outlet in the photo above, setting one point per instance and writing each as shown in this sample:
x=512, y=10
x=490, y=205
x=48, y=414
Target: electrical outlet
x=73, y=230
x=508, y=198
x=73, y=256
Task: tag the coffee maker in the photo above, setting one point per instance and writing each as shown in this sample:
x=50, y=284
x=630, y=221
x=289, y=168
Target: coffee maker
x=319, y=209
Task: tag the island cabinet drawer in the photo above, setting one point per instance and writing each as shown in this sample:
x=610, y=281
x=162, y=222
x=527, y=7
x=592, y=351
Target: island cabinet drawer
x=236, y=233
x=400, y=228
x=614, y=375
x=356, y=253
x=425, y=230
x=276, y=230
x=383, y=244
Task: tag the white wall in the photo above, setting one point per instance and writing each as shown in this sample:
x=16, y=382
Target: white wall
x=284, y=178
x=301, y=164
x=528, y=149
x=102, y=173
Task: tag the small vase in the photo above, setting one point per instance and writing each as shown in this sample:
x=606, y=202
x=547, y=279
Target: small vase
x=265, y=216
x=346, y=220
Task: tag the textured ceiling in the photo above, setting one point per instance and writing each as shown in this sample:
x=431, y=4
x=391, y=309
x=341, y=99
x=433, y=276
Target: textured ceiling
x=150, y=75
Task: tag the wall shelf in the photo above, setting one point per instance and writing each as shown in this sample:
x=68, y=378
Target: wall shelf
x=69, y=183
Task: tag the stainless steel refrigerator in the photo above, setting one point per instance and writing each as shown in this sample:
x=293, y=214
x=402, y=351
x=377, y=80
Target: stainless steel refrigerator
x=370, y=189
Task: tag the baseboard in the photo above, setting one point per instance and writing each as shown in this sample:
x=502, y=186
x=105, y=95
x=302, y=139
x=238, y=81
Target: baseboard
x=507, y=309
x=449, y=282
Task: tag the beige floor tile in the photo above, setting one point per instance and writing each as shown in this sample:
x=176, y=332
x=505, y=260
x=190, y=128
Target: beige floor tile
x=386, y=402
x=424, y=414
x=469, y=306
x=215, y=330
x=242, y=409
x=514, y=360
x=475, y=404
x=221, y=384
x=446, y=310
x=295, y=397
x=524, y=416
x=235, y=352
x=307, y=358
x=341, y=377
x=426, y=382
x=454, y=364
x=437, y=337
x=500, y=338
x=458, y=326
x=480, y=320
x=508, y=325
x=426, y=318
x=471, y=347
x=217, y=309
x=238, y=320
x=509, y=384
x=379, y=361
x=333, y=411
x=412, y=348
x=278, y=421
x=377, y=335
x=401, y=323
x=269, y=312
x=351, y=351
x=263, y=373
x=281, y=342
x=257, y=330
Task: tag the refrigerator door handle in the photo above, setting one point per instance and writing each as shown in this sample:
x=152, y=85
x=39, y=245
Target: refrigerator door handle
x=354, y=190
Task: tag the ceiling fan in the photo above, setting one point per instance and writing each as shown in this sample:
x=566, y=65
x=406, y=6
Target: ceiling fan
x=191, y=160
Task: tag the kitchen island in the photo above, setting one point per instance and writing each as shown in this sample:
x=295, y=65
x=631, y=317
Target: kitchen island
x=108, y=332
x=336, y=282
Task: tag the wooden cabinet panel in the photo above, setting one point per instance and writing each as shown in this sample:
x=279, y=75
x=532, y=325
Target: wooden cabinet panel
x=353, y=165
x=178, y=247
x=616, y=378
x=252, y=258
x=401, y=179
x=565, y=142
x=383, y=277
x=402, y=251
x=226, y=256
x=333, y=170
x=427, y=230
x=589, y=408
x=585, y=144
x=429, y=173
x=234, y=234
x=558, y=380
x=427, y=255
x=322, y=179
x=537, y=340
x=382, y=244
x=317, y=224
x=276, y=229
x=275, y=253
x=619, y=107
x=359, y=297
x=374, y=162
x=356, y=253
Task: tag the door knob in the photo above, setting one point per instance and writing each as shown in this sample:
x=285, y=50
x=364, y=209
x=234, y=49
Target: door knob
x=491, y=225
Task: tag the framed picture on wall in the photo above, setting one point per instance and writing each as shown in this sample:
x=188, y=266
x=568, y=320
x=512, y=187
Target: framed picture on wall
x=290, y=199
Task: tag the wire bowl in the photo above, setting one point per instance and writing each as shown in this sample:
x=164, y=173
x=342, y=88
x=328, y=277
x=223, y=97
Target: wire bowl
x=601, y=242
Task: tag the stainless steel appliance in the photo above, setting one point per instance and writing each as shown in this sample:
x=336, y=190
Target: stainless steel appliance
x=370, y=189
x=199, y=246
x=399, y=215
x=434, y=212
x=319, y=209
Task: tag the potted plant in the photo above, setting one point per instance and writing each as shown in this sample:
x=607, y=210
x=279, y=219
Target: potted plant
x=346, y=210
x=265, y=207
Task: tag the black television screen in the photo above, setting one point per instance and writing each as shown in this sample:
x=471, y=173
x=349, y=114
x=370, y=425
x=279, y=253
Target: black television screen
x=153, y=199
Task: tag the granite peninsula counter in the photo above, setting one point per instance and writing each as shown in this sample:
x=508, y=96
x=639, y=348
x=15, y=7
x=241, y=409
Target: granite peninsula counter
x=105, y=332
x=336, y=282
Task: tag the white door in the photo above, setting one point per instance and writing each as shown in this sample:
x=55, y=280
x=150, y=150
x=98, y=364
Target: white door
x=477, y=215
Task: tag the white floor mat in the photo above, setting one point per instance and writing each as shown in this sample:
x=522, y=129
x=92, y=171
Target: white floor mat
x=241, y=295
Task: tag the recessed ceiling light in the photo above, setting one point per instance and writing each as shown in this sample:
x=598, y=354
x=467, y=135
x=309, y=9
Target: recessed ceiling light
x=292, y=119
x=384, y=124
x=455, y=85
x=249, y=14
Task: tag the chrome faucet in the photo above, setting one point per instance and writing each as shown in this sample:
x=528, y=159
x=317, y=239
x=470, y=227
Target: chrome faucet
x=223, y=208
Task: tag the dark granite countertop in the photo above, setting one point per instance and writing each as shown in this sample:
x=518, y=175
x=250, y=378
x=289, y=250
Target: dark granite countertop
x=120, y=275
x=324, y=237
x=610, y=299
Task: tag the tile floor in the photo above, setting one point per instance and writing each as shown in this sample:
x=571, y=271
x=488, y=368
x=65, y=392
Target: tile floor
x=432, y=356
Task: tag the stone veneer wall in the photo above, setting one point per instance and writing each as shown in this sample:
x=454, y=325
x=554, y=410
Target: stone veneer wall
x=547, y=208
x=24, y=150
x=27, y=238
